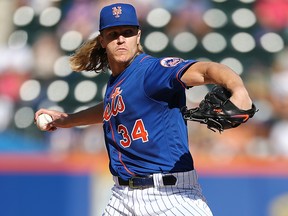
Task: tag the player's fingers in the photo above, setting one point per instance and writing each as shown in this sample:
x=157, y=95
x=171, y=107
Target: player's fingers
x=39, y=112
x=60, y=120
x=51, y=127
x=54, y=114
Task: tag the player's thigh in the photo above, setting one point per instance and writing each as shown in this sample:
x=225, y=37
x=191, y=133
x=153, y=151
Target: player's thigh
x=117, y=205
x=190, y=207
x=116, y=209
x=188, y=202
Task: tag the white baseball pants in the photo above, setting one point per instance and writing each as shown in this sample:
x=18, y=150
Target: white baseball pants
x=185, y=198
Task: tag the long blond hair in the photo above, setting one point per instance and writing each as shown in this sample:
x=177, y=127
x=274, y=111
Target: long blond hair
x=90, y=56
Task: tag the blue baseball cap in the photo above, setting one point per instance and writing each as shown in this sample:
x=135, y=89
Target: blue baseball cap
x=118, y=14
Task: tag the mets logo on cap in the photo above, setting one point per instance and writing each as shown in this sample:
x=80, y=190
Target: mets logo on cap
x=118, y=14
x=116, y=11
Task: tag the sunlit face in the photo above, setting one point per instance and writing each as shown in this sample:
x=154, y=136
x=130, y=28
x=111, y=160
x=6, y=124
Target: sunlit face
x=121, y=43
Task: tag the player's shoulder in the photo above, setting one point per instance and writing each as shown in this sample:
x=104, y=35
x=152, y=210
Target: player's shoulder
x=145, y=58
x=163, y=61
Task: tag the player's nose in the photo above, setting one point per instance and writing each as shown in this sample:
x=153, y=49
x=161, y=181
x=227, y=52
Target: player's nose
x=121, y=39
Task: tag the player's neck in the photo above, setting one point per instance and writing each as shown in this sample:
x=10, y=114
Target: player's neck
x=118, y=67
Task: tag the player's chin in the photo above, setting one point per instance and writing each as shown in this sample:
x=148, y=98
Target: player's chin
x=123, y=58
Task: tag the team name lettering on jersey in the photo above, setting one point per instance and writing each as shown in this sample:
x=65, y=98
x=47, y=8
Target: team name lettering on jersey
x=116, y=106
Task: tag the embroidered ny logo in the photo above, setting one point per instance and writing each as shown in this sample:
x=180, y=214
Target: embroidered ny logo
x=117, y=11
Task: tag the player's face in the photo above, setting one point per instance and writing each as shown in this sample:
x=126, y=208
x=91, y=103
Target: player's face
x=121, y=43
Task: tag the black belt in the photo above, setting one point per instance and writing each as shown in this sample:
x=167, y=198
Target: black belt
x=146, y=182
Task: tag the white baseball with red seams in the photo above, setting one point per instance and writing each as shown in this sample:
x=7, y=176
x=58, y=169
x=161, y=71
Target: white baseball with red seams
x=43, y=120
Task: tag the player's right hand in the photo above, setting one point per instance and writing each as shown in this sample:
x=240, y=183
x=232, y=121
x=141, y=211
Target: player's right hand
x=60, y=119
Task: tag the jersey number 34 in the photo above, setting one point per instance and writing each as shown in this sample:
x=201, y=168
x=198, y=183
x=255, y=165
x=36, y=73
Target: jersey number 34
x=138, y=132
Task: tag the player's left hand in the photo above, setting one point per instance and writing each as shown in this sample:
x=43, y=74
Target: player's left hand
x=219, y=112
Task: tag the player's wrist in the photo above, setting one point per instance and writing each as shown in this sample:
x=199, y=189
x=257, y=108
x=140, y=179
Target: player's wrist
x=241, y=98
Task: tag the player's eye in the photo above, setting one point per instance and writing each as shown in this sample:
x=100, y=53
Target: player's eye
x=113, y=35
x=128, y=33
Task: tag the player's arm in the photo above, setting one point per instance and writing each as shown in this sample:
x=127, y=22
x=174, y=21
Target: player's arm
x=202, y=73
x=92, y=115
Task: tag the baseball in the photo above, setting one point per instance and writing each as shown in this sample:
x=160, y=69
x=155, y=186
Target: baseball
x=43, y=120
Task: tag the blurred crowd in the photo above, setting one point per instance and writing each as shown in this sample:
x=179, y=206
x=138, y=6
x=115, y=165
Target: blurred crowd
x=30, y=50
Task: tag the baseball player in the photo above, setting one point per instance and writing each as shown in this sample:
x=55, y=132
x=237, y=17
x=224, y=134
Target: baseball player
x=145, y=133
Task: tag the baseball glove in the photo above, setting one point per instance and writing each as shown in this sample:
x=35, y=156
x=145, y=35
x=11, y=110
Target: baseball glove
x=218, y=112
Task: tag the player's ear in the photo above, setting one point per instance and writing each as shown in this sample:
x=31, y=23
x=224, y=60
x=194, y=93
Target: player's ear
x=101, y=41
x=138, y=36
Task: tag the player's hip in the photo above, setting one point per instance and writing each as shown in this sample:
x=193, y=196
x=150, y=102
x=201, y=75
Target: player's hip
x=186, y=179
x=183, y=198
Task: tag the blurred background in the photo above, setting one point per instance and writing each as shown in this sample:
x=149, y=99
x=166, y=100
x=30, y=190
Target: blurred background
x=243, y=171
